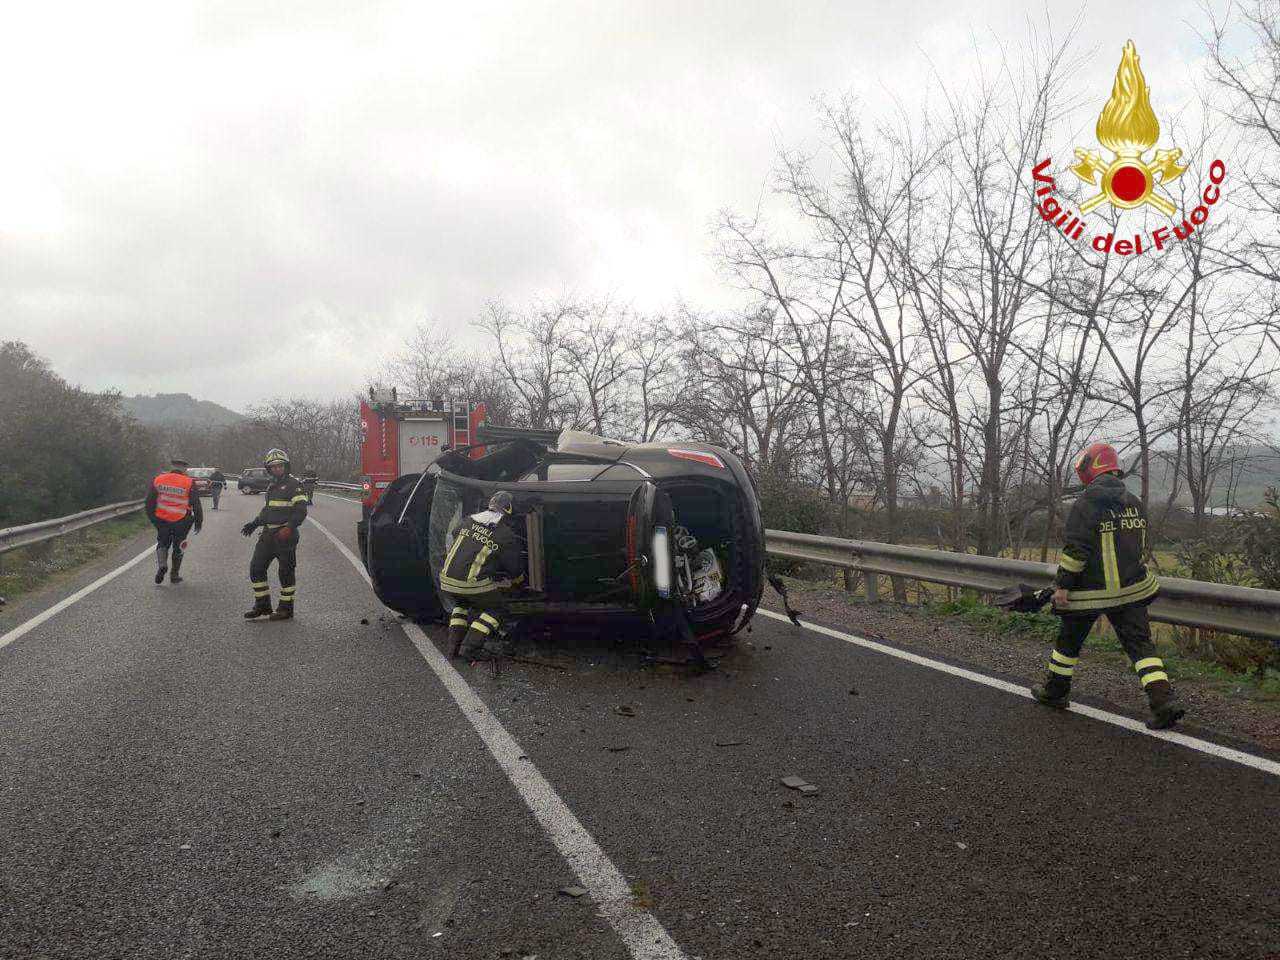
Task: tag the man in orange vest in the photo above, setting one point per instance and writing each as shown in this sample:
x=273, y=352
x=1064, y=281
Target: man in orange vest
x=173, y=506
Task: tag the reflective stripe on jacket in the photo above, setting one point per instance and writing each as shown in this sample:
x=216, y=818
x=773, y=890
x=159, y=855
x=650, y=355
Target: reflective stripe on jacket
x=173, y=496
x=1105, y=539
x=286, y=504
x=483, y=557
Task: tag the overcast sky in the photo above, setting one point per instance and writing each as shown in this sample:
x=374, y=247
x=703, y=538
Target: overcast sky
x=248, y=199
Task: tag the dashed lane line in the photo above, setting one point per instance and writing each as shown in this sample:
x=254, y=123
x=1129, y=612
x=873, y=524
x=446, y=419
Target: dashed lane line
x=61, y=605
x=1115, y=719
x=638, y=929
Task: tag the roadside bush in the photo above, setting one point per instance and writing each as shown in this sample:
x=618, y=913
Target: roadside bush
x=787, y=505
x=1247, y=554
x=63, y=449
x=1258, y=542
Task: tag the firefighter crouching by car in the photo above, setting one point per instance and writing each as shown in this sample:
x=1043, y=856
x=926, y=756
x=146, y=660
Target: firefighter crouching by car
x=481, y=568
x=1102, y=572
x=280, y=518
x=173, y=506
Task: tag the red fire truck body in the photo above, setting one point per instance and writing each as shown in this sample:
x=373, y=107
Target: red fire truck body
x=407, y=436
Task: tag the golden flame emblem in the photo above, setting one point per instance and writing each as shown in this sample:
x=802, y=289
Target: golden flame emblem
x=1128, y=128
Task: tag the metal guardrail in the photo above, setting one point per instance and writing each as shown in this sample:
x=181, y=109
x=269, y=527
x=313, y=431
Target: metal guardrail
x=335, y=485
x=1191, y=603
x=13, y=537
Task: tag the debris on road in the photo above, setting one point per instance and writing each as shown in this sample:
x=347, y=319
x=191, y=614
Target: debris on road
x=962, y=846
x=799, y=784
x=619, y=748
x=574, y=892
x=625, y=711
x=364, y=621
x=730, y=743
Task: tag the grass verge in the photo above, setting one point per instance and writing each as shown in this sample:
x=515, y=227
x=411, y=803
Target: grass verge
x=1262, y=685
x=29, y=568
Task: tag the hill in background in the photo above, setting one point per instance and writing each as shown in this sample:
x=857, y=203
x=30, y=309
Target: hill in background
x=1254, y=468
x=177, y=408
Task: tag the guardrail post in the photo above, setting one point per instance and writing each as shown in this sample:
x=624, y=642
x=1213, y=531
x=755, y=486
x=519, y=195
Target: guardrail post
x=872, y=581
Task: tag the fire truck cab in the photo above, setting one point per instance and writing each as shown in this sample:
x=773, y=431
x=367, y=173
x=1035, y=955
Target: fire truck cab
x=406, y=436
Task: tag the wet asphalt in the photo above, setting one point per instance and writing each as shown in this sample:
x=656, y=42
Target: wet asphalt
x=177, y=782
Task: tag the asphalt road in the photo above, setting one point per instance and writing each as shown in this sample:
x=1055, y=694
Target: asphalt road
x=177, y=782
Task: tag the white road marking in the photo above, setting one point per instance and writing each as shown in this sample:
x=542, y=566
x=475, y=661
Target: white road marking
x=638, y=929
x=61, y=605
x=1115, y=719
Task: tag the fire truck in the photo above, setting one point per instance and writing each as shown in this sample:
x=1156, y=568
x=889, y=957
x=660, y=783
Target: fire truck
x=407, y=436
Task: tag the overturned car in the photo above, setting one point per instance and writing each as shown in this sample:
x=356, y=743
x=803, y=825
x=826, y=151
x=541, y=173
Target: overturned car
x=657, y=537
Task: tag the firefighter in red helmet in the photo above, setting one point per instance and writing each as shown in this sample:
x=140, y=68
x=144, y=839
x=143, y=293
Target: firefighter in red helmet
x=1102, y=572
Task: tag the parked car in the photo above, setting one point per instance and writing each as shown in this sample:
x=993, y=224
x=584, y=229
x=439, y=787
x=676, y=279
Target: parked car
x=254, y=480
x=201, y=480
x=665, y=536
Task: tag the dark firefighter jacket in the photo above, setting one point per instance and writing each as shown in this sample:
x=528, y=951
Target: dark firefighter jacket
x=1104, y=540
x=484, y=556
x=286, y=504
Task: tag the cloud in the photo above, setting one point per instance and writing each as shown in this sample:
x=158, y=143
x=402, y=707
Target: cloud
x=241, y=199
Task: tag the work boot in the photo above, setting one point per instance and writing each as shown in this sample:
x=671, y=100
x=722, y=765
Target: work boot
x=474, y=649
x=1054, y=692
x=160, y=574
x=261, y=608
x=1166, y=708
x=458, y=623
x=284, y=611
x=174, y=576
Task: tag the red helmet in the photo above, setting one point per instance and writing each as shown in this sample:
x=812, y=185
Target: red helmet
x=1095, y=461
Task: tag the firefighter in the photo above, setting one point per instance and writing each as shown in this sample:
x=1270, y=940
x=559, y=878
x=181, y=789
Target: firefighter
x=481, y=568
x=280, y=518
x=173, y=507
x=1102, y=572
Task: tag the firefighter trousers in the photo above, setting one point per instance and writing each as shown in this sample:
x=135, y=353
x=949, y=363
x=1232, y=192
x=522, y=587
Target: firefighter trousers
x=475, y=621
x=269, y=547
x=1133, y=628
x=171, y=535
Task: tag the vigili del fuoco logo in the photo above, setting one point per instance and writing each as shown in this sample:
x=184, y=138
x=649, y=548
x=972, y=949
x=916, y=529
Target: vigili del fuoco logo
x=1128, y=129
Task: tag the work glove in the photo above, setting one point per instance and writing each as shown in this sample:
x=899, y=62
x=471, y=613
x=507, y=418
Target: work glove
x=249, y=527
x=284, y=534
x=197, y=528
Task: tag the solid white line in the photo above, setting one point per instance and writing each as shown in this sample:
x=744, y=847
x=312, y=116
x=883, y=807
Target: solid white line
x=335, y=496
x=61, y=605
x=638, y=929
x=1115, y=719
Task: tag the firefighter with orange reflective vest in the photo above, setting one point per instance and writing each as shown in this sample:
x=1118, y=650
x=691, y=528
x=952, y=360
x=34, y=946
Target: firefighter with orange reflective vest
x=280, y=518
x=173, y=507
x=1102, y=572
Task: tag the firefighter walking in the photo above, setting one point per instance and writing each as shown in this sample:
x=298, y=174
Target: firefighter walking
x=173, y=507
x=1102, y=573
x=480, y=569
x=279, y=519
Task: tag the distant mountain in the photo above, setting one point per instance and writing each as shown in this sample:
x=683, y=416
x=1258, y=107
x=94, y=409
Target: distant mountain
x=174, y=408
